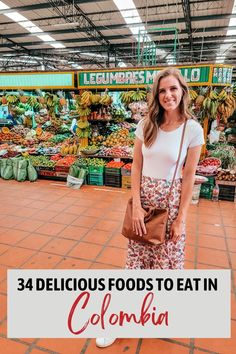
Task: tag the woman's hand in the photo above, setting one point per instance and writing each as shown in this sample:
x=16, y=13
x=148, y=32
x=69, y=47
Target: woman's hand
x=176, y=229
x=138, y=221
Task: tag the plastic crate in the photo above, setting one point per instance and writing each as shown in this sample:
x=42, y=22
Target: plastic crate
x=126, y=181
x=227, y=192
x=96, y=179
x=59, y=168
x=211, y=181
x=47, y=173
x=113, y=171
x=44, y=168
x=96, y=169
x=206, y=190
x=112, y=180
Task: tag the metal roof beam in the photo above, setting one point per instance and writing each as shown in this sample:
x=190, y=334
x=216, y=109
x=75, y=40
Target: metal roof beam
x=45, y=5
x=115, y=37
x=150, y=23
x=187, y=17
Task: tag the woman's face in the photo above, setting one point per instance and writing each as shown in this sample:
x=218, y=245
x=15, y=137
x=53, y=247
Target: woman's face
x=170, y=93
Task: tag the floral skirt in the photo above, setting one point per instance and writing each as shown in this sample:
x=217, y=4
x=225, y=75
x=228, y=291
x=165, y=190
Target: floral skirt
x=168, y=255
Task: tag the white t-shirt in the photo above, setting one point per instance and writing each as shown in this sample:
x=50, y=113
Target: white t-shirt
x=160, y=159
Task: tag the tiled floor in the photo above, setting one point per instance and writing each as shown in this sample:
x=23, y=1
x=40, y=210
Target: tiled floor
x=47, y=225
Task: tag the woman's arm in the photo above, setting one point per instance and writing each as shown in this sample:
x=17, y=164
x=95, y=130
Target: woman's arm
x=193, y=156
x=136, y=173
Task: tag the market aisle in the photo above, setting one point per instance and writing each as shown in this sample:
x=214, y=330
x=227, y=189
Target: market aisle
x=47, y=225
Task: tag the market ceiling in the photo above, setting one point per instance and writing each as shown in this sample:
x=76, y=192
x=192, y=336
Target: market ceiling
x=94, y=34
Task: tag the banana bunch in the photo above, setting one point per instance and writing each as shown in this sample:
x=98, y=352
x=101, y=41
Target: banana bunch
x=138, y=95
x=83, y=111
x=222, y=95
x=86, y=99
x=95, y=98
x=105, y=100
x=69, y=149
x=227, y=107
x=82, y=124
x=210, y=107
x=12, y=99
x=213, y=95
x=51, y=100
x=125, y=97
x=83, y=133
x=193, y=95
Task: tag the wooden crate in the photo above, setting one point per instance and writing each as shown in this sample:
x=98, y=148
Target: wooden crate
x=126, y=181
x=227, y=190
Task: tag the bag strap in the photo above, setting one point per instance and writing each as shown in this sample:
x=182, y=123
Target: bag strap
x=177, y=163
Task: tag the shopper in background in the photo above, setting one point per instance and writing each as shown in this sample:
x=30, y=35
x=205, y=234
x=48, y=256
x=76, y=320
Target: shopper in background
x=73, y=126
x=156, y=150
x=10, y=117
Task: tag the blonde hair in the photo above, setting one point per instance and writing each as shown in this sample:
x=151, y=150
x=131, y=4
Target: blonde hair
x=155, y=116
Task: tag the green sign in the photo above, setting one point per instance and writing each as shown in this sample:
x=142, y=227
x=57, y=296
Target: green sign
x=222, y=75
x=138, y=77
x=194, y=75
x=36, y=80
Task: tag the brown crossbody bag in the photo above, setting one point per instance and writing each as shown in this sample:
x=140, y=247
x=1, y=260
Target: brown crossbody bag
x=155, y=219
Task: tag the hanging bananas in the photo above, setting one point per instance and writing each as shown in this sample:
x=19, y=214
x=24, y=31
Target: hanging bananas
x=86, y=99
x=133, y=96
x=193, y=95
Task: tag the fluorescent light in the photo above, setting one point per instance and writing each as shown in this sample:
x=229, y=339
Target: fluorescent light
x=3, y=6
x=234, y=8
x=26, y=24
x=220, y=58
x=76, y=66
x=232, y=22
x=34, y=29
x=231, y=32
x=15, y=16
x=58, y=45
x=121, y=64
x=46, y=38
x=124, y=5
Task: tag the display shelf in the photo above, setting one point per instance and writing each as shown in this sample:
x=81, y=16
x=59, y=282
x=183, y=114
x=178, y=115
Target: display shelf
x=110, y=157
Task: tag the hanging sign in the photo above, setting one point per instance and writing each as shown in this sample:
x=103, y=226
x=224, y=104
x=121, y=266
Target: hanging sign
x=194, y=75
x=53, y=80
x=222, y=75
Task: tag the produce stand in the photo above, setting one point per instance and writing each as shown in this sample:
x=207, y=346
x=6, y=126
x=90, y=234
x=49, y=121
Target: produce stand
x=106, y=120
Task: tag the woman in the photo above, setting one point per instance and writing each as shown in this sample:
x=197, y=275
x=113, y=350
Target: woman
x=156, y=151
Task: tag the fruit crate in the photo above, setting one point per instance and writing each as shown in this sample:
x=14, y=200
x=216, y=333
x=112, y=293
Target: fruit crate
x=112, y=180
x=113, y=171
x=126, y=181
x=96, y=170
x=44, y=168
x=59, y=168
x=227, y=190
x=61, y=174
x=96, y=179
x=46, y=173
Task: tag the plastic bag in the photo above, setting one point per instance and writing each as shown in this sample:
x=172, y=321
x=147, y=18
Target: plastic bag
x=32, y=173
x=3, y=166
x=15, y=162
x=74, y=170
x=8, y=170
x=22, y=170
x=73, y=182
